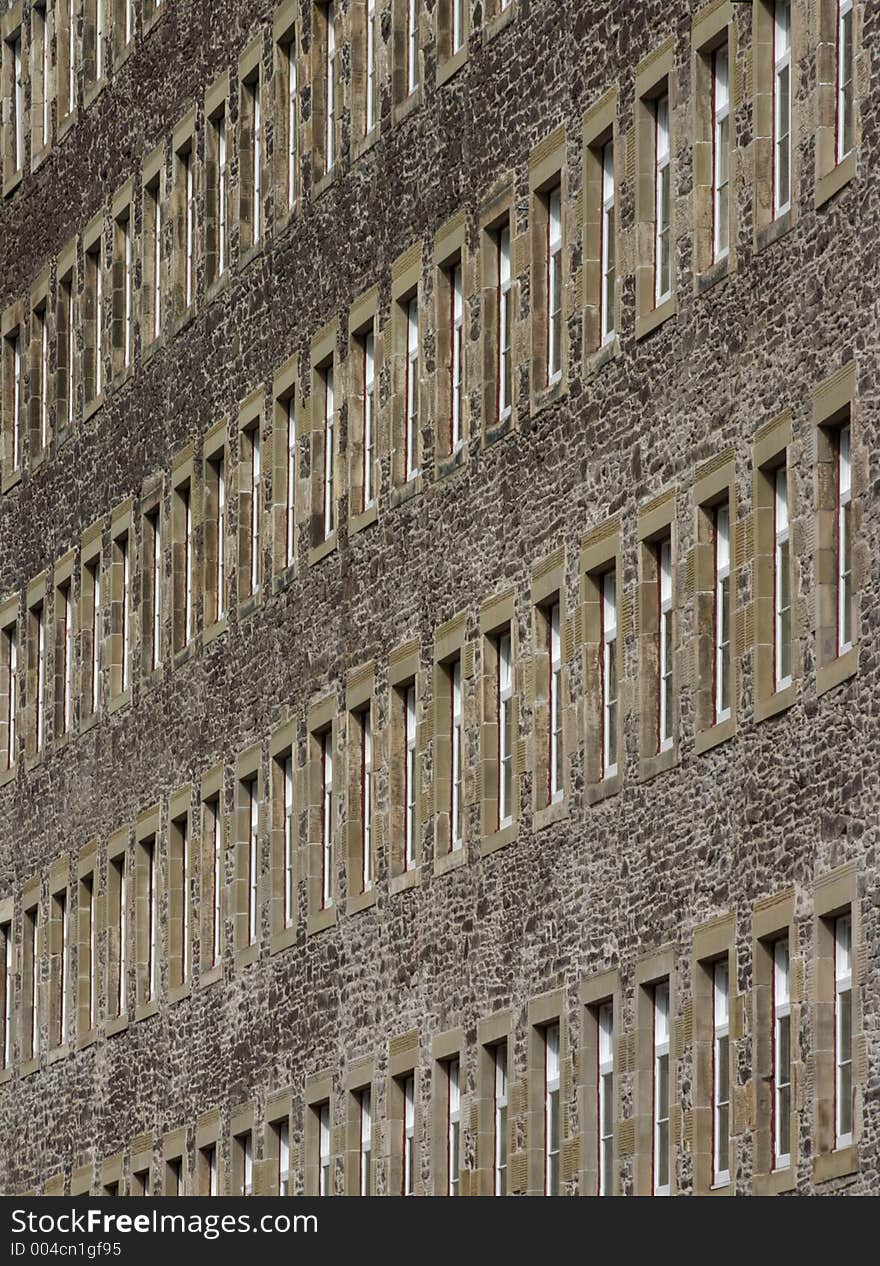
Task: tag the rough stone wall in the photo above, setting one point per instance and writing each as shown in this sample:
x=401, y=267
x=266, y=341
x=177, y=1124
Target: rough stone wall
x=779, y=804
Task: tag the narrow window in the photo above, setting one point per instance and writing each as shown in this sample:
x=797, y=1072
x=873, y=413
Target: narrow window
x=256, y=496
x=662, y=202
x=412, y=388
x=31, y=973
x=154, y=528
x=720, y=1075
x=126, y=291
x=609, y=674
x=38, y=617
x=329, y=454
x=369, y=417
x=660, y=1088
x=457, y=25
x=216, y=513
x=366, y=801
x=365, y=1141
x=157, y=260
x=456, y=367
x=664, y=648
x=185, y=590
x=499, y=1119
x=182, y=829
x=781, y=106
x=10, y=638
x=87, y=949
x=370, y=49
x=781, y=1102
x=15, y=343
x=412, y=46
x=323, y=1113
x=290, y=499
x=608, y=245
x=216, y=846
x=330, y=135
x=327, y=809
x=120, y=916
x=722, y=691
x=409, y=776
x=222, y=178
x=256, y=105
x=6, y=998
x=41, y=37
x=124, y=562
x=456, y=789
x=151, y=912
x=844, y=78
x=409, y=1120
x=244, y=1150
x=551, y=1110
x=505, y=326
x=93, y=573
x=554, y=286
x=189, y=226
x=555, y=787
x=99, y=39
x=128, y=19
x=253, y=819
x=505, y=732
x=95, y=284
x=41, y=338
x=71, y=56
x=17, y=104
x=843, y=1087
x=782, y=581
x=453, y=1125
x=289, y=841
x=605, y=1186
x=291, y=123
x=68, y=330
x=208, y=1159
x=59, y=901
x=174, y=1177
x=283, y=1144
x=844, y=542
x=720, y=153
x=140, y=1182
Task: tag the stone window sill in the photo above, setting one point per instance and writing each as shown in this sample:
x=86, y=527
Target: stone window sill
x=118, y=1024
x=827, y=186
x=650, y=321
x=29, y=1067
x=66, y=122
x=186, y=653
x=93, y=90
x=146, y=1010
x=498, y=429
x=360, y=147
x=57, y=1053
x=549, y=394
x=499, y=839
x=89, y=722
x=326, y=547
x=604, y=790
x=837, y=1164
x=218, y=286
x=252, y=253
x=358, y=522
x=211, y=976
x=451, y=65
x=120, y=701
x=499, y=23
x=448, y=463
x=450, y=860
x=406, y=491
x=9, y=481
x=215, y=630
x=86, y=1040
x=12, y=182
x=838, y=671
x=148, y=349
x=403, y=883
x=773, y=232
x=715, y=274
x=660, y=763
x=405, y=108
x=8, y=775
x=245, y=955
x=714, y=735
x=282, y=939
x=361, y=901
x=321, y=920
x=92, y=407
x=178, y=992
x=773, y=1184
x=550, y=814
x=778, y=702
x=603, y=356
x=325, y=182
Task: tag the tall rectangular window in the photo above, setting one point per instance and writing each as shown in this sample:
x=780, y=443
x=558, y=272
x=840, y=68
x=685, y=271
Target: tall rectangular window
x=554, y=286
x=499, y=1119
x=555, y=788
x=369, y=418
x=608, y=245
x=843, y=1073
x=215, y=536
x=505, y=731
x=94, y=293
x=88, y=948
x=65, y=352
x=290, y=491
x=291, y=123
x=187, y=211
x=92, y=578
x=781, y=106
x=505, y=325
x=60, y=954
x=251, y=161
x=213, y=820
x=844, y=542
x=182, y=561
x=289, y=842
x=322, y=1111
x=365, y=1141
x=40, y=62
x=412, y=45
x=5, y=995
x=458, y=25
x=370, y=48
x=662, y=202
x=10, y=681
x=216, y=200
x=30, y=986
x=120, y=598
x=252, y=810
x=366, y=800
x=243, y=1150
x=153, y=578
x=845, y=101
x=331, y=89
x=605, y=1081
x=409, y=777
x=39, y=391
x=281, y=1130
x=37, y=674
x=609, y=674
x=180, y=943
x=720, y=153
x=13, y=392
x=117, y=900
x=408, y=1181
x=251, y=505
x=456, y=366
x=660, y=1085
x=456, y=781
x=781, y=1102
x=15, y=79
x=70, y=77
x=123, y=280
x=412, y=388
x=552, y=1110
x=329, y=453
x=100, y=33
x=453, y=1125
x=327, y=810
x=153, y=255
x=722, y=674
x=664, y=648
x=209, y=1178
x=148, y=916
x=781, y=581
x=720, y=1075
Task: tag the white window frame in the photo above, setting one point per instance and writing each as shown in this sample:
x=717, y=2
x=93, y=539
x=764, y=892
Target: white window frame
x=256, y=498
x=189, y=226
x=457, y=360
x=99, y=319
x=291, y=123
x=608, y=263
x=843, y=1042
x=412, y=47
x=720, y=152
x=44, y=72
x=12, y=714
x=554, y=287
x=6, y=1059
x=99, y=38
x=33, y=983
x=157, y=264
x=610, y=686
x=258, y=161
x=327, y=819
x=662, y=178
x=722, y=631
x=71, y=352
x=329, y=454
x=287, y=775
x=221, y=536
x=605, y=1079
x=782, y=1088
x=97, y=631
x=253, y=830
x=213, y=1176
x=453, y=1126
x=366, y=800
x=217, y=893
x=505, y=325
x=844, y=541
x=93, y=951
x=505, y=730
x=16, y=399
x=65, y=967
x=290, y=500
x=552, y=1110
x=720, y=1073
x=781, y=580
x=222, y=176
x=409, y=1142
x=43, y=317
x=781, y=105
x=369, y=416
x=499, y=1118
x=40, y=700
x=152, y=921
x=555, y=780
x=122, y=982
x=409, y=777
x=456, y=787
x=330, y=129
x=246, y=1144
x=664, y=648
x=845, y=102
x=458, y=25
x=660, y=1079
x=183, y=828
x=71, y=56
x=125, y=550
x=370, y=58
x=284, y=1158
x=66, y=592
x=412, y=388
x=18, y=102
x=156, y=649
x=365, y=1141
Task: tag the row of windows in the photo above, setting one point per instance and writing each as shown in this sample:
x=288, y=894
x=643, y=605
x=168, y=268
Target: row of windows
x=177, y=556
x=91, y=353
x=644, y=1048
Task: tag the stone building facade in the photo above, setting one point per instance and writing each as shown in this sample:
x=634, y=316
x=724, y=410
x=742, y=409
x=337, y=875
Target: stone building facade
x=436, y=569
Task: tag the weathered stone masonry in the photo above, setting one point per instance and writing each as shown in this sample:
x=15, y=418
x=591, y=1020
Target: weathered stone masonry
x=687, y=857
